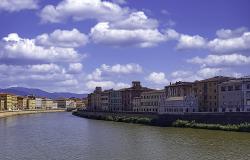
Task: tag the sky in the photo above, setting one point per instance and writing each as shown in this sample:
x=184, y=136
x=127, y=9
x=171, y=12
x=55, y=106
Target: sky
x=76, y=45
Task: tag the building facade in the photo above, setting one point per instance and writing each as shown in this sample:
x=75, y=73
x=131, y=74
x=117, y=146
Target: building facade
x=48, y=104
x=128, y=94
x=94, y=100
x=179, y=99
x=149, y=101
x=10, y=101
x=39, y=103
x=21, y=103
x=115, y=101
x=31, y=103
x=105, y=100
x=65, y=103
x=2, y=105
x=234, y=95
x=179, y=105
x=208, y=94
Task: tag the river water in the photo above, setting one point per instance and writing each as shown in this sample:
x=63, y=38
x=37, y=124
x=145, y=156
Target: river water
x=62, y=136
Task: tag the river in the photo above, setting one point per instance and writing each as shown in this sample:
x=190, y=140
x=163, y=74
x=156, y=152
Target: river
x=62, y=136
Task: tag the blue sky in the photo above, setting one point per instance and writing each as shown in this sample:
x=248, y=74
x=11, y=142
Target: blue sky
x=75, y=45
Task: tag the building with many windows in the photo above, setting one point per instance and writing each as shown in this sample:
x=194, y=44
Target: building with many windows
x=128, y=94
x=38, y=103
x=234, y=95
x=65, y=103
x=1, y=105
x=31, y=103
x=94, y=100
x=207, y=93
x=179, y=99
x=10, y=101
x=21, y=103
x=149, y=101
x=105, y=100
x=115, y=101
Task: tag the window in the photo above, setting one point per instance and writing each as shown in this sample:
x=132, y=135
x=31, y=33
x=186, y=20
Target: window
x=223, y=89
x=237, y=87
x=230, y=88
x=248, y=86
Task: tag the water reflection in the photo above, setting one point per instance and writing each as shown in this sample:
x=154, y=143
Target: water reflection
x=63, y=136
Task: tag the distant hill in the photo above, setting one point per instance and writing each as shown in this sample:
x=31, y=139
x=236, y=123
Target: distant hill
x=40, y=93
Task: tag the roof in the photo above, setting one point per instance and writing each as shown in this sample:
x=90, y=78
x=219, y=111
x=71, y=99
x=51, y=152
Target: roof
x=180, y=98
x=216, y=78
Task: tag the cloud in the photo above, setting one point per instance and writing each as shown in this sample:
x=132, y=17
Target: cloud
x=209, y=72
x=234, y=44
x=228, y=33
x=117, y=69
x=228, y=41
x=181, y=73
x=81, y=10
x=221, y=60
x=157, y=78
x=122, y=69
x=75, y=68
x=63, y=38
x=120, y=1
x=190, y=42
x=44, y=68
x=136, y=20
x=51, y=77
x=104, y=34
x=106, y=85
x=18, y=5
x=17, y=48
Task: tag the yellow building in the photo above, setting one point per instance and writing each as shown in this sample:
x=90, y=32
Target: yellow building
x=31, y=103
x=1, y=105
x=47, y=104
x=10, y=101
x=21, y=103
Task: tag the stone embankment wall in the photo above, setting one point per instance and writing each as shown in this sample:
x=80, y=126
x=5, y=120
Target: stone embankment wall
x=168, y=119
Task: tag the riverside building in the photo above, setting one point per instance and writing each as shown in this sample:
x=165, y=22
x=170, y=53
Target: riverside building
x=10, y=101
x=1, y=105
x=128, y=94
x=208, y=94
x=94, y=100
x=179, y=99
x=115, y=101
x=65, y=103
x=234, y=95
x=149, y=101
x=31, y=103
x=38, y=103
x=21, y=103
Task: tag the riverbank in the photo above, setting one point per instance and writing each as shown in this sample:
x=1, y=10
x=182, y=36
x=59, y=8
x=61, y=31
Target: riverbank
x=14, y=113
x=169, y=120
x=243, y=127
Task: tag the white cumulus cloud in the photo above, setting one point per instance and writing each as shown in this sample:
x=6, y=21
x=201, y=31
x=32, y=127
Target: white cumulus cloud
x=189, y=42
x=63, y=38
x=119, y=69
x=221, y=60
x=106, y=85
x=157, y=78
x=81, y=10
x=104, y=34
x=17, y=5
x=15, y=47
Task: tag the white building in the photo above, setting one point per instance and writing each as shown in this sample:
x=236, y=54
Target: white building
x=234, y=95
x=178, y=105
x=65, y=103
x=38, y=103
x=149, y=101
